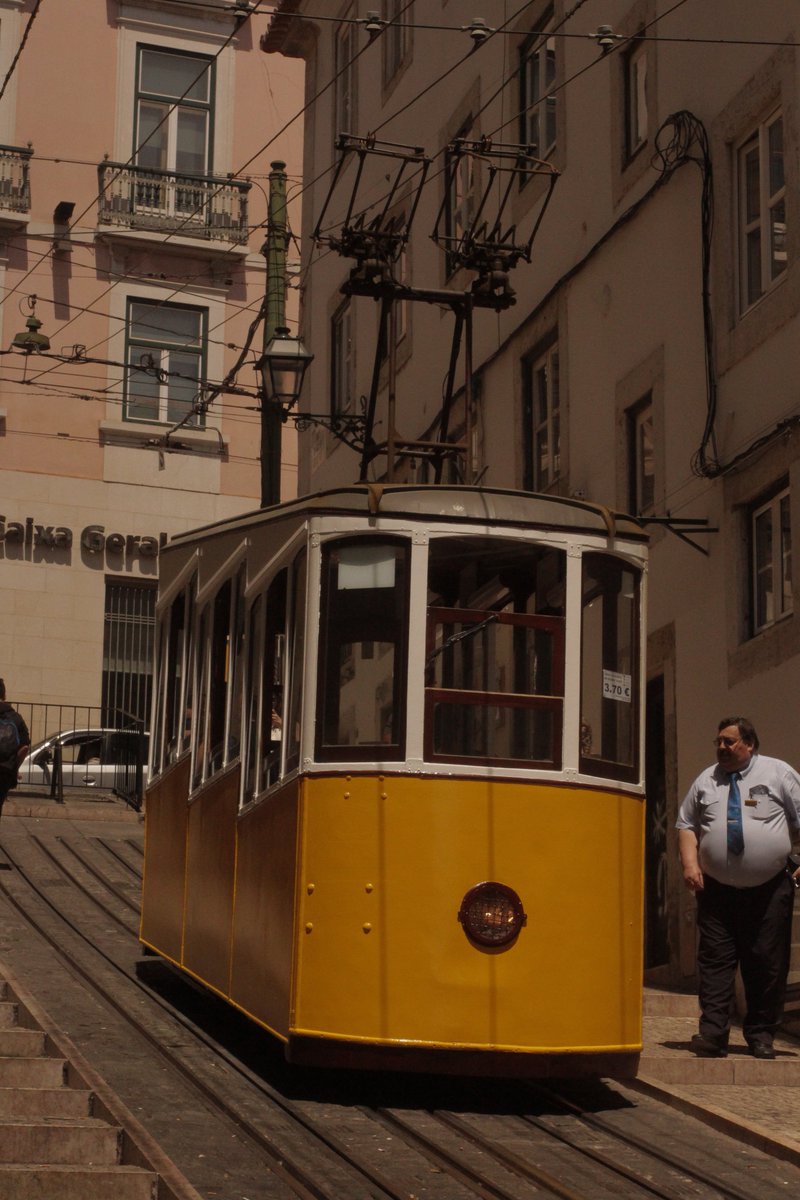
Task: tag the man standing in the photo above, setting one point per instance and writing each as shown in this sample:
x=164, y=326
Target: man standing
x=735, y=831
x=15, y=742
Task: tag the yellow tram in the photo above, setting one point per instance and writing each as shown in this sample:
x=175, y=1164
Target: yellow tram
x=395, y=811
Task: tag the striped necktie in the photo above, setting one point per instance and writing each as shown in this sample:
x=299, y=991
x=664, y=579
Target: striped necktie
x=735, y=833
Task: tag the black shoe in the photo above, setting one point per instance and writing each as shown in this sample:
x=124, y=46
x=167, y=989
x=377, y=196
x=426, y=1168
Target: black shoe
x=762, y=1049
x=709, y=1047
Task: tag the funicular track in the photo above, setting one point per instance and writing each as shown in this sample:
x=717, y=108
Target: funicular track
x=292, y=1133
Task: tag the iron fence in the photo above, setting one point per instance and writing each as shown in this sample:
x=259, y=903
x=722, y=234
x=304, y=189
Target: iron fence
x=15, y=190
x=77, y=746
x=202, y=206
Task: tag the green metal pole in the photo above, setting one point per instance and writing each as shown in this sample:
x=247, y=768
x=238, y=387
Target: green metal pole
x=274, y=251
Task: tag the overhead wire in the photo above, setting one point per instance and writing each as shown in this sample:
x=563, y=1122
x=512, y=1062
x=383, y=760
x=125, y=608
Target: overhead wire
x=509, y=78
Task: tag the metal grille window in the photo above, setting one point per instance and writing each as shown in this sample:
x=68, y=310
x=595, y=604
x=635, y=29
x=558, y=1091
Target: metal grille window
x=771, y=541
x=130, y=618
x=537, y=75
x=762, y=210
x=166, y=361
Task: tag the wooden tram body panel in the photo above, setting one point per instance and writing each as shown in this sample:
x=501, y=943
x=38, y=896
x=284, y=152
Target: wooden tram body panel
x=324, y=902
x=381, y=956
x=332, y=911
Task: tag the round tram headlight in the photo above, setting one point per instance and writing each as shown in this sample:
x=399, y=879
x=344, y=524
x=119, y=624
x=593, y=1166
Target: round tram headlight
x=492, y=914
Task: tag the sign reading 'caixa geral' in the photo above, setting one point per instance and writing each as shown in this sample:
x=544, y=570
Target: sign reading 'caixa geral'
x=94, y=539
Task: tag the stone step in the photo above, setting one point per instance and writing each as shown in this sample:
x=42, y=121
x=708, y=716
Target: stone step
x=32, y=1072
x=9, y=1014
x=66, y=1103
x=740, y=1070
x=658, y=1003
x=77, y=1183
x=21, y=1043
x=64, y=1142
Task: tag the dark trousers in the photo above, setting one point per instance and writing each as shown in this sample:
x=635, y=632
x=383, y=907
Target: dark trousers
x=752, y=928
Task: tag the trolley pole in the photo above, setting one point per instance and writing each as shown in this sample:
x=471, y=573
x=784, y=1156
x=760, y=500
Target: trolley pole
x=274, y=251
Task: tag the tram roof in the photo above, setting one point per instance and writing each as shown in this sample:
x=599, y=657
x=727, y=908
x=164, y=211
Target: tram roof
x=493, y=506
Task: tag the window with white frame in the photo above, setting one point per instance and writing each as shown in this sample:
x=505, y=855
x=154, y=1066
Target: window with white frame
x=762, y=210
x=342, y=359
x=641, y=457
x=462, y=198
x=174, y=110
x=542, y=389
x=635, y=86
x=771, y=560
x=166, y=361
x=345, y=50
x=537, y=75
x=396, y=38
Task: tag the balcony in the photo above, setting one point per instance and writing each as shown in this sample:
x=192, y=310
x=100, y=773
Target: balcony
x=186, y=206
x=15, y=187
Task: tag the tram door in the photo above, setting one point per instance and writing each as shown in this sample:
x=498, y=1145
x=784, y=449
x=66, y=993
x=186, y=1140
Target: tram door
x=656, y=945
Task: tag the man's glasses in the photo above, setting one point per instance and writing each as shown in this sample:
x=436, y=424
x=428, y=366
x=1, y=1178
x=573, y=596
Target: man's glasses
x=727, y=742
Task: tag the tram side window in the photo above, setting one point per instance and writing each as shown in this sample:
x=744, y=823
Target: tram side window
x=201, y=669
x=609, y=740
x=174, y=675
x=363, y=639
x=185, y=732
x=299, y=576
x=495, y=652
x=220, y=661
x=235, y=661
x=265, y=675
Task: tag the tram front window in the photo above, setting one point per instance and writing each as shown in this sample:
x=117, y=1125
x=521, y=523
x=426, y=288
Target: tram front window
x=610, y=667
x=495, y=651
x=363, y=650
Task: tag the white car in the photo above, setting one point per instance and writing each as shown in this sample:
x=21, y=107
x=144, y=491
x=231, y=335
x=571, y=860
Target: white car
x=89, y=757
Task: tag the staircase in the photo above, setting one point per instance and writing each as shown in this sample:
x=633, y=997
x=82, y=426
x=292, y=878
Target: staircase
x=62, y=1132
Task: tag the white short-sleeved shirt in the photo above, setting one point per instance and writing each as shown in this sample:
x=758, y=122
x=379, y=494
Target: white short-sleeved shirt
x=770, y=792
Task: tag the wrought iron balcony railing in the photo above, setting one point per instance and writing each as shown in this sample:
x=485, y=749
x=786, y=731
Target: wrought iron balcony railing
x=200, y=206
x=15, y=186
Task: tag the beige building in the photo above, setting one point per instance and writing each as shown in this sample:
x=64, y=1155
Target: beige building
x=137, y=145
x=650, y=359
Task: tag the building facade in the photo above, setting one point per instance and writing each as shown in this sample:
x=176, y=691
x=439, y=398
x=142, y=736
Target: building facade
x=648, y=362
x=136, y=150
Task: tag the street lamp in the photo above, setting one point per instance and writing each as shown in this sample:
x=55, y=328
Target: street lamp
x=282, y=367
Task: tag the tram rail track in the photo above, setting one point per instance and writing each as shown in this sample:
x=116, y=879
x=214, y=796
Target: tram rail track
x=323, y=1149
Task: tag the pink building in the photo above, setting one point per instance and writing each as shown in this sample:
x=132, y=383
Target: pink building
x=134, y=175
